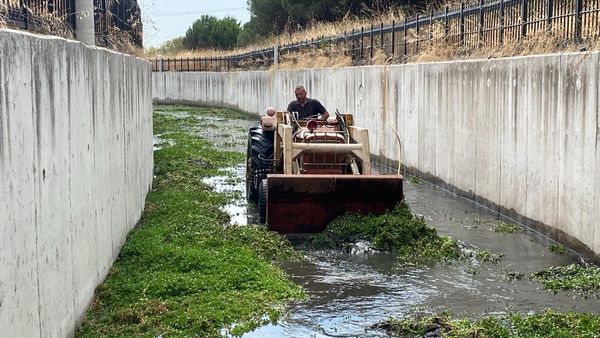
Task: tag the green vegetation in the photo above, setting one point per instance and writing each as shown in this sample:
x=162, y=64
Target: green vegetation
x=184, y=271
x=579, y=278
x=508, y=228
x=414, y=179
x=545, y=324
x=485, y=256
x=275, y=16
x=210, y=32
x=397, y=231
x=513, y=275
x=557, y=249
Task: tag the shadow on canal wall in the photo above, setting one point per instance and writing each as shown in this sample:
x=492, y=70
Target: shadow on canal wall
x=75, y=167
x=519, y=135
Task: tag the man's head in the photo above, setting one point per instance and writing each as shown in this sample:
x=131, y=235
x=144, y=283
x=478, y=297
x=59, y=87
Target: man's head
x=271, y=111
x=300, y=94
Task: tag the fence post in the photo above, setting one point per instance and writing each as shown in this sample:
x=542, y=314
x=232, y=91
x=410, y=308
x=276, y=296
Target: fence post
x=275, y=55
x=480, y=23
x=353, y=45
x=446, y=30
x=381, y=37
x=371, y=41
x=501, y=22
x=578, y=9
x=462, y=22
x=162, y=64
x=362, y=32
x=404, y=53
x=85, y=30
x=393, y=39
x=417, y=32
x=523, y=18
x=431, y=26
x=549, y=14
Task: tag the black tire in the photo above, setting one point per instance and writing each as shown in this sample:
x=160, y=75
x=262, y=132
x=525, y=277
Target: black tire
x=251, y=192
x=259, y=160
x=262, y=202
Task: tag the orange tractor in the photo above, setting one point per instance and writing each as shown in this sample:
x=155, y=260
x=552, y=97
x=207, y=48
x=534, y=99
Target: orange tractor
x=305, y=172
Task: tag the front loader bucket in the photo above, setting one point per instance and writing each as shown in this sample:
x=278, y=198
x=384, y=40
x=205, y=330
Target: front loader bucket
x=307, y=203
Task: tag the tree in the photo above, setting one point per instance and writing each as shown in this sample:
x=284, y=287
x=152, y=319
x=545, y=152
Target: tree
x=210, y=32
x=272, y=16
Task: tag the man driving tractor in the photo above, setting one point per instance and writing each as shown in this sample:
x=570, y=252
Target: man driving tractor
x=306, y=107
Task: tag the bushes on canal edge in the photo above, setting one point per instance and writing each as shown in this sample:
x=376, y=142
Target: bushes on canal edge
x=183, y=271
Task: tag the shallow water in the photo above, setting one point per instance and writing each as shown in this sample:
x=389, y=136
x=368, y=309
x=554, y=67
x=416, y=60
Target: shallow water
x=349, y=293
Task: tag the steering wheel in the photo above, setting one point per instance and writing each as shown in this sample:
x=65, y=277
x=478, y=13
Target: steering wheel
x=315, y=116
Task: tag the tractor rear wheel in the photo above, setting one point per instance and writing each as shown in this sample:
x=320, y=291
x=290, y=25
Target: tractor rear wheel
x=262, y=201
x=259, y=160
x=251, y=193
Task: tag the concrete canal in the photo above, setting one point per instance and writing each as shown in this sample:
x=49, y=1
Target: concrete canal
x=351, y=290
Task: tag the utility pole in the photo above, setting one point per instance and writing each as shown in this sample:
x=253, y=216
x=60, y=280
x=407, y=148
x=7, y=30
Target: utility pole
x=84, y=22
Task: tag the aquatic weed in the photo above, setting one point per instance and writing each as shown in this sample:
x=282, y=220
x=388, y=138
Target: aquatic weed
x=485, y=256
x=579, y=278
x=557, y=249
x=397, y=231
x=545, y=324
x=507, y=228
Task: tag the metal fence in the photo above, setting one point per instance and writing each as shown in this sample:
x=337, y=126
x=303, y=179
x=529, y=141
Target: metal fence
x=481, y=23
x=124, y=15
x=36, y=15
x=42, y=15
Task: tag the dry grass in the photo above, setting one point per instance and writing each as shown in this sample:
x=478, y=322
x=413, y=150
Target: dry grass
x=543, y=43
x=315, y=58
x=315, y=31
x=3, y=15
x=437, y=49
x=121, y=41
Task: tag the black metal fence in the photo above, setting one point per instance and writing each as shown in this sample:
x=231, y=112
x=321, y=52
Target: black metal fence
x=113, y=16
x=475, y=24
x=44, y=15
x=36, y=15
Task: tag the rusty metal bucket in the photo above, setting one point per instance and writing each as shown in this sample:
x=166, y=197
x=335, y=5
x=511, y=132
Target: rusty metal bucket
x=307, y=203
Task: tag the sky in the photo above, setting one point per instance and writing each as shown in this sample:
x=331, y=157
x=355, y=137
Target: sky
x=168, y=19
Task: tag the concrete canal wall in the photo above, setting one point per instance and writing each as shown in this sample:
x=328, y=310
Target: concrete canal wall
x=75, y=166
x=519, y=135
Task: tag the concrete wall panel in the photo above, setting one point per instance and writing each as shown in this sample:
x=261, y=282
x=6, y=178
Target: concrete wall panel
x=75, y=165
x=519, y=135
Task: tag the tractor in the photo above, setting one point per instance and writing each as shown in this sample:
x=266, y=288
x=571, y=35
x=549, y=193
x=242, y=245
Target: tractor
x=303, y=173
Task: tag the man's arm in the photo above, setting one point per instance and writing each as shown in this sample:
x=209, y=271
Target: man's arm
x=321, y=110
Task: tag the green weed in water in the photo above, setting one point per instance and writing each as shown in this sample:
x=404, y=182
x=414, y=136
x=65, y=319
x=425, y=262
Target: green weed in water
x=414, y=180
x=397, y=231
x=184, y=271
x=557, y=249
x=507, y=228
x=575, y=277
x=546, y=324
x=485, y=256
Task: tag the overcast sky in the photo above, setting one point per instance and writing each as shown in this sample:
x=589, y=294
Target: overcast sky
x=167, y=19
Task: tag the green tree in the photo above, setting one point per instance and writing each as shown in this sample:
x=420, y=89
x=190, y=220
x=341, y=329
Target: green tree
x=273, y=16
x=210, y=32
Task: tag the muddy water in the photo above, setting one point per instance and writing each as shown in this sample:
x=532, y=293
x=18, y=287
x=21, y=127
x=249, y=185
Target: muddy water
x=349, y=293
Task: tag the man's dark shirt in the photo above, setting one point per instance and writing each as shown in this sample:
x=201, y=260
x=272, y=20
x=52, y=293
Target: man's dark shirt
x=311, y=107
